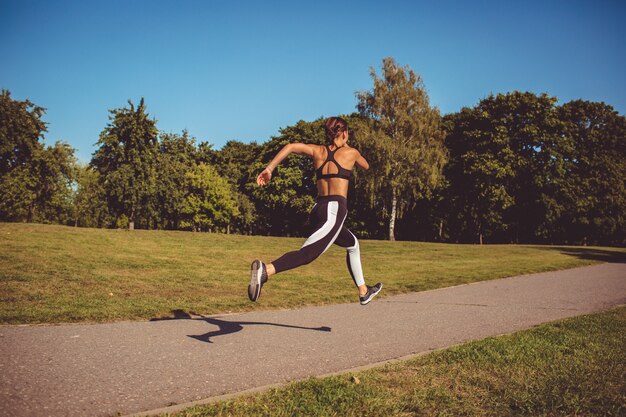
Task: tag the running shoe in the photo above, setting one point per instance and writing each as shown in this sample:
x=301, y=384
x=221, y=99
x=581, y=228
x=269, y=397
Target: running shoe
x=371, y=293
x=258, y=277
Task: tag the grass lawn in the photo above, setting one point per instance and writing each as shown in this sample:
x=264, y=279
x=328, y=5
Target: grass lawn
x=52, y=274
x=573, y=367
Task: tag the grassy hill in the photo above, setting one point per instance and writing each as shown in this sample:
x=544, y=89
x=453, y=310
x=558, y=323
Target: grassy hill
x=51, y=274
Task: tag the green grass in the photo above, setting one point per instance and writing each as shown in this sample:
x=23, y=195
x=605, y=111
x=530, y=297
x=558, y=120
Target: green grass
x=51, y=274
x=573, y=367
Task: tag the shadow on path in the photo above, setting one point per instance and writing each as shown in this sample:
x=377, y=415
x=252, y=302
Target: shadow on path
x=227, y=327
x=616, y=256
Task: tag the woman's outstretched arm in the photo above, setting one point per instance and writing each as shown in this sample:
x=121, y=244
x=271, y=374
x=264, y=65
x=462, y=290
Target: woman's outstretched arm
x=300, y=148
x=362, y=163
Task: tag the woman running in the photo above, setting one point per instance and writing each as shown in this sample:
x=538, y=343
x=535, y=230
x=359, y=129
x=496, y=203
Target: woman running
x=333, y=164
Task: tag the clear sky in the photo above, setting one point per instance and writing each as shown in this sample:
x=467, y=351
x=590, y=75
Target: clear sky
x=243, y=69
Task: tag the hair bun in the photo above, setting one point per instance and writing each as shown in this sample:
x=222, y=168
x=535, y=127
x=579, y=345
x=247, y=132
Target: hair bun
x=333, y=127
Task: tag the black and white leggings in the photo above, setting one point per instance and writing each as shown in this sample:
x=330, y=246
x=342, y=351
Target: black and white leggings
x=327, y=217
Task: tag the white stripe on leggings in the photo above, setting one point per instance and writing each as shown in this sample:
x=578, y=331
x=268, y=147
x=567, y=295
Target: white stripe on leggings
x=336, y=234
x=354, y=256
x=331, y=220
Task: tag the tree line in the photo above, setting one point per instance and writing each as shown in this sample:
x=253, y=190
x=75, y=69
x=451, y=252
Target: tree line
x=517, y=167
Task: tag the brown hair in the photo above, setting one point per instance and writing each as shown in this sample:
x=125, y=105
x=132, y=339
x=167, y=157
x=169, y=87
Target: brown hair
x=333, y=127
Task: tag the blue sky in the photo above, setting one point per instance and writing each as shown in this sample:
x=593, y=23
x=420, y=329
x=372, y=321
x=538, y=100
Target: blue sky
x=243, y=69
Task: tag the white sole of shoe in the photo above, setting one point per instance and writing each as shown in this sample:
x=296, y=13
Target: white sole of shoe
x=254, y=288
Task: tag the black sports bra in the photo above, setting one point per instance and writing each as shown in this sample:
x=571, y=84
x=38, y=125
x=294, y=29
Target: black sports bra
x=346, y=174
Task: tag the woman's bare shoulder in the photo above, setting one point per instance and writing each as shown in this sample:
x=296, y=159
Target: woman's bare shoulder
x=353, y=152
x=318, y=149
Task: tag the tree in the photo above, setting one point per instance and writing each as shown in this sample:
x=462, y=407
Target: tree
x=505, y=161
x=531, y=123
x=90, y=204
x=55, y=172
x=40, y=190
x=126, y=161
x=177, y=157
x=523, y=169
x=234, y=162
x=18, y=191
x=21, y=129
x=407, y=151
x=35, y=181
x=209, y=203
x=480, y=166
x=593, y=193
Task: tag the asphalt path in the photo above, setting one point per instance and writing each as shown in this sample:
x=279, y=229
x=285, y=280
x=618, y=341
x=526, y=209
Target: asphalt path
x=148, y=366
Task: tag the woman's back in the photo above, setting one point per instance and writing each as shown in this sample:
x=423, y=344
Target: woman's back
x=333, y=167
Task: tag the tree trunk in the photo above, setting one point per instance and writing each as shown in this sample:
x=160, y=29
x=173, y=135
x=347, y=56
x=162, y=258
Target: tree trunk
x=441, y=230
x=480, y=237
x=392, y=220
x=131, y=220
x=228, y=229
x=31, y=212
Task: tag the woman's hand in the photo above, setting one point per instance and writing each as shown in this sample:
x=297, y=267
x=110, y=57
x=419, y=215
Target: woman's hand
x=264, y=177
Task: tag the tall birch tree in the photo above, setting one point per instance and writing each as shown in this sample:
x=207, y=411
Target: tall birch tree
x=406, y=149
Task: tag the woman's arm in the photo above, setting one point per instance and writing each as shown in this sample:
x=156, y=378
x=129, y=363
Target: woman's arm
x=362, y=162
x=299, y=148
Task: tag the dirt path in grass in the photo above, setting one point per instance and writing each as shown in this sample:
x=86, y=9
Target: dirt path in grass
x=133, y=367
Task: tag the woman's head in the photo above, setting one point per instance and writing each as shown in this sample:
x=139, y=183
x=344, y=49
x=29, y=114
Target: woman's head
x=334, y=127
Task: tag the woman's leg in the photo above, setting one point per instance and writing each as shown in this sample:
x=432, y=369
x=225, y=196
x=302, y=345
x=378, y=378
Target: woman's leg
x=328, y=217
x=347, y=240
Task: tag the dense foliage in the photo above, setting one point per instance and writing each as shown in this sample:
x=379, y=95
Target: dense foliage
x=35, y=180
x=517, y=167
x=407, y=150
